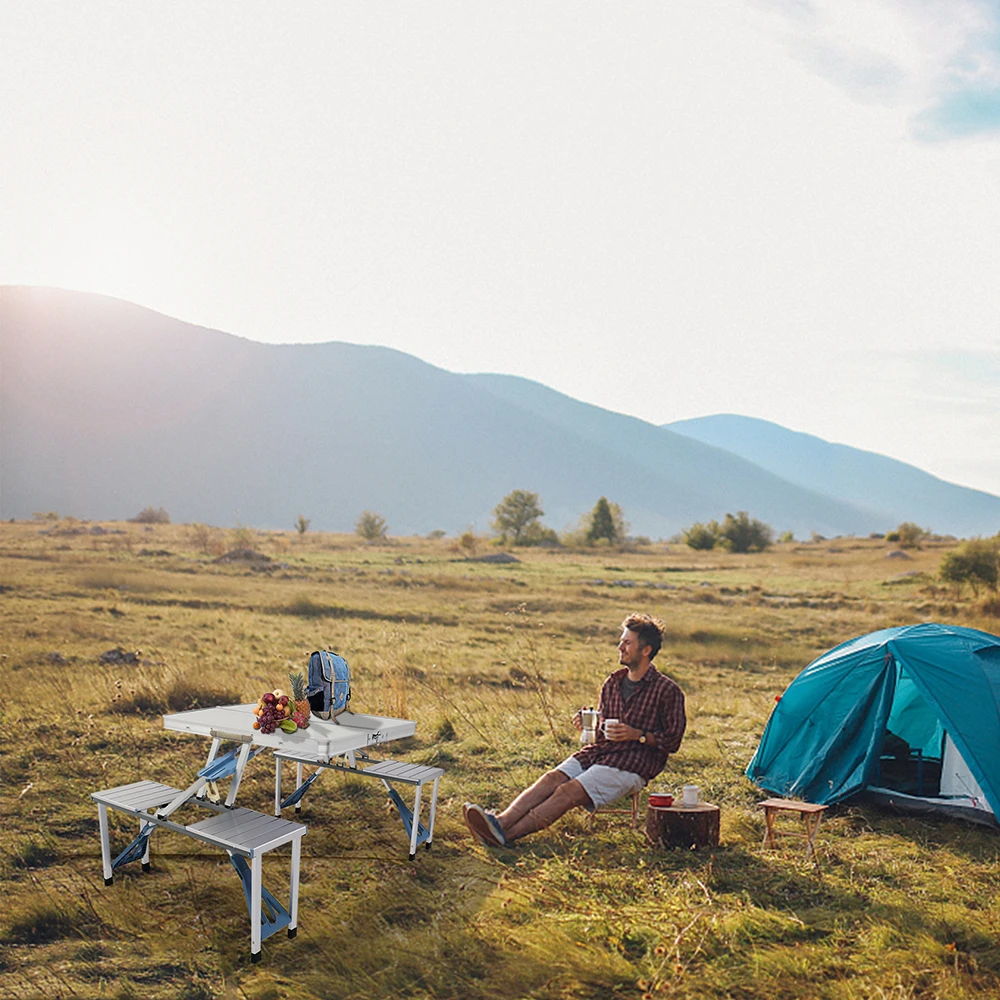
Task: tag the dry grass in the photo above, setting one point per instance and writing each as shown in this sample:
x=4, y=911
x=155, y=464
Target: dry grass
x=490, y=660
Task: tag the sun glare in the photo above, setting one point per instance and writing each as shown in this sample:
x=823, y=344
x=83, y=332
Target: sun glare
x=114, y=250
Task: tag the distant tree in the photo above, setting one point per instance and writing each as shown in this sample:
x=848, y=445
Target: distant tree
x=787, y=536
x=909, y=535
x=602, y=524
x=151, y=515
x=45, y=515
x=743, y=533
x=516, y=513
x=302, y=524
x=371, y=527
x=437, y=534
x=701, y=536
x=606, y=522
x=975, y=562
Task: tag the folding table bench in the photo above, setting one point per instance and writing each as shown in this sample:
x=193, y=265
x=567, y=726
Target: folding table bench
x=388, y=771
x=246, y=836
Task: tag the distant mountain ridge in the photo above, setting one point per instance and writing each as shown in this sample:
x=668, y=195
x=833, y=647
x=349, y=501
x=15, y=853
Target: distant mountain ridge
x=107, y=407
x=892, y=488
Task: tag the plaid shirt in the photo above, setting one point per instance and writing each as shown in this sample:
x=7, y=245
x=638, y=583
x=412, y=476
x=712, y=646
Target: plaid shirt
x=657, y=707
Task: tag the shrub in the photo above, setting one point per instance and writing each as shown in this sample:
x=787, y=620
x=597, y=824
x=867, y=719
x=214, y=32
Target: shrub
x=243, y=537
x=538, y=534
x=151, y=515
x=701, y=536
x=302, y=524
x=206, y=539
x=908, y=535
x=745, y=534
x=975, y=562
x=468, y=543
x=371, y=527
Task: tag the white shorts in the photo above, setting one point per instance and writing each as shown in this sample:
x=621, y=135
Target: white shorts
x=603, y=784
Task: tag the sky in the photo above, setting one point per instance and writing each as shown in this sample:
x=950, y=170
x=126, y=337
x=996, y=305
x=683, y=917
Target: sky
x=787, y=209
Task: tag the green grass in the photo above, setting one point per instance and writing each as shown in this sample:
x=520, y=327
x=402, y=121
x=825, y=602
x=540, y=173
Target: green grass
x=491, y=660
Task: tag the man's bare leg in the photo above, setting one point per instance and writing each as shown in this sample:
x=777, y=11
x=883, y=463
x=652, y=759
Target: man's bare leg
x=568, y=795
x=531, y=797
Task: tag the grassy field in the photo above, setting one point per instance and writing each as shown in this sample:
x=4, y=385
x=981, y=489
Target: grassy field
x=491, y=660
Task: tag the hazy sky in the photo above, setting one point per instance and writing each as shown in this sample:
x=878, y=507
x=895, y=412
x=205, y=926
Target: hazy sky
x=788, y=209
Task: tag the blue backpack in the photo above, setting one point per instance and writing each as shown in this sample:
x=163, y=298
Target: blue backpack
x=329, y=687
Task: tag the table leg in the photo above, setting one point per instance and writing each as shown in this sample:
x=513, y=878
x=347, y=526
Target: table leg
x=256, y=881
x=241, y=762
x=145, y=854
x=812, y=828
x=293, y=899
x=415, y=826
x=277, y=786
x=769, y=831
x=102, y=822
x=434, y=805
x=298, y=784
x=213, y=752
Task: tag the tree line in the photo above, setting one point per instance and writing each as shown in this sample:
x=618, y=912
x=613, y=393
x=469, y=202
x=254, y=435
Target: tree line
x=517, y=520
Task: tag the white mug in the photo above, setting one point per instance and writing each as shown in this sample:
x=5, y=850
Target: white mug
x=609, y=722
x=691, y=796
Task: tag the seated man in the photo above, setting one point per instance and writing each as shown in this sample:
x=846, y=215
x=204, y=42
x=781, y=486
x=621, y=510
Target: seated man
x=649, y=708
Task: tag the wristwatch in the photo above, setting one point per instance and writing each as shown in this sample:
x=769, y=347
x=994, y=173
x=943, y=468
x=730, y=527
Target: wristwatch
x=642, y=737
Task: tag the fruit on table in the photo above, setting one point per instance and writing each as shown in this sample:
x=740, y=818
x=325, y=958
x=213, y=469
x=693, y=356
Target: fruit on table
x=288, y=726
x=302, y=711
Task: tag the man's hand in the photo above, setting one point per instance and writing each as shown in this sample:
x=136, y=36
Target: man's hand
x=620, y=732
x=578, y=719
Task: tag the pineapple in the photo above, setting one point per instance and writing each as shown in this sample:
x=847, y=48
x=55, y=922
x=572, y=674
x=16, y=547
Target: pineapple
x=301, y=711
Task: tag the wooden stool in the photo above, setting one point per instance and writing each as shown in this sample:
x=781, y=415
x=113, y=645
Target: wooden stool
x=811, y=815
x=683, y=826
x=633, y=811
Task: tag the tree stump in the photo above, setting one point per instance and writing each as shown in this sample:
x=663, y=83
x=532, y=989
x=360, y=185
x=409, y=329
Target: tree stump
x=677, y=826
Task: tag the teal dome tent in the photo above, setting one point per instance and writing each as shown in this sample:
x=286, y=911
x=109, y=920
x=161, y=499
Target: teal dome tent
x=910, y=716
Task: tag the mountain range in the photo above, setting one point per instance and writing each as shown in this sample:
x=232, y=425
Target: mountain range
x=107, y=407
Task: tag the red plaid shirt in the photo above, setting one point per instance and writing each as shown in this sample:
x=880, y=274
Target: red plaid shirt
x=657, y=707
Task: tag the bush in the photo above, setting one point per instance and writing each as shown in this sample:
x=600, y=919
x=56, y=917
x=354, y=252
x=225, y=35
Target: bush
x=975, y=562
x=151, y=515
x=538, y=534
x=908, y=535
x=207, y=539
x=371, y=527
x=302, y=524
x=701, y=536
x=468, y=543
x=745, y=534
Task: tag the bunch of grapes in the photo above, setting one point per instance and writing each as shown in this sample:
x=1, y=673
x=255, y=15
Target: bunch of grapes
x=268, y=716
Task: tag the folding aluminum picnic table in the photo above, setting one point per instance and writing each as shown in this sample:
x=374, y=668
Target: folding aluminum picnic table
x=244, y=834
x=334, y=744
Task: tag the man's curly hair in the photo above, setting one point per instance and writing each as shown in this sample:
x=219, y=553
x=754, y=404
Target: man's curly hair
x=648, y=629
